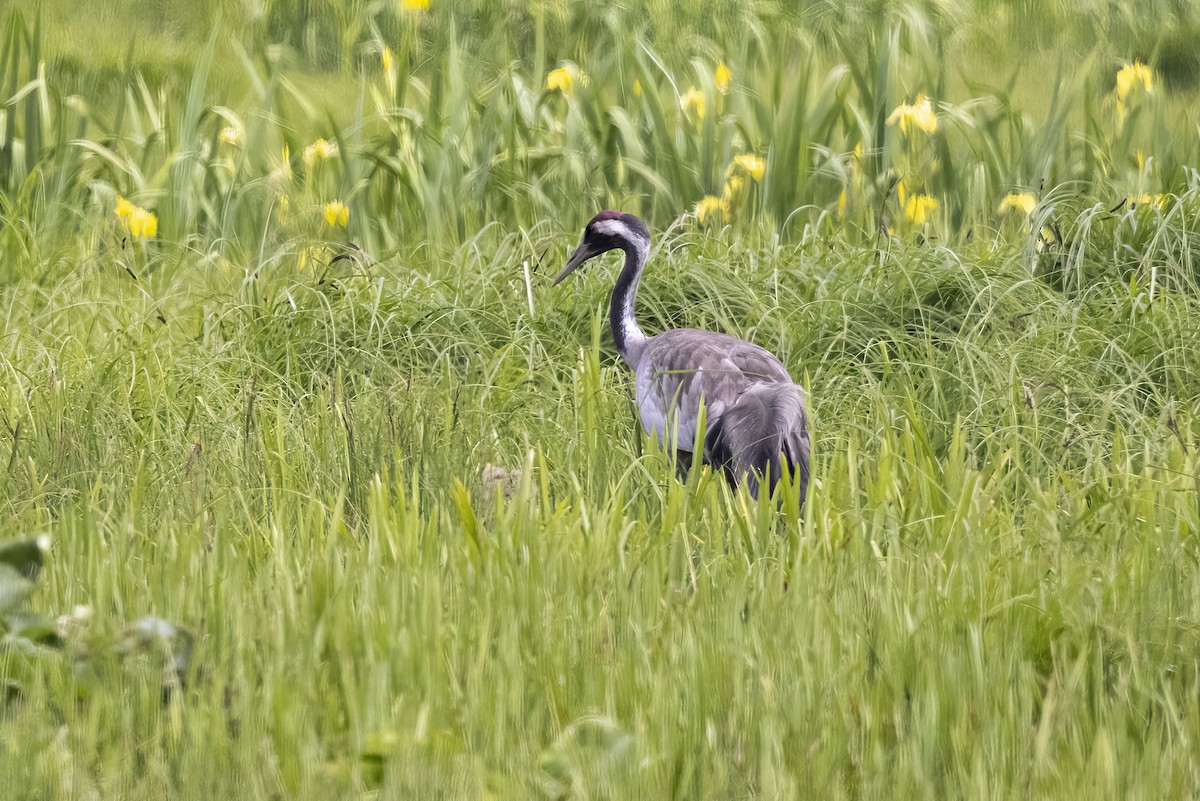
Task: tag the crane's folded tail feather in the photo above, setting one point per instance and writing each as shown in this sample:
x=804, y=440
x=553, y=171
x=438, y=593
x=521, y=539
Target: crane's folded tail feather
x=764, y=432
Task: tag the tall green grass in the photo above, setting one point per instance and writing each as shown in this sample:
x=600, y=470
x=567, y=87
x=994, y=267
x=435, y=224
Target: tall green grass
x=390, y=483
x=455, y=132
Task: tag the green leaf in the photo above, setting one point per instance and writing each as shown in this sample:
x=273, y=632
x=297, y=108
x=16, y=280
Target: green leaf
x=25, y=556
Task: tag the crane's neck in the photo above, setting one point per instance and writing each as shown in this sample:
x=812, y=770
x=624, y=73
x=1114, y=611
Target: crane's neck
x=631, y=342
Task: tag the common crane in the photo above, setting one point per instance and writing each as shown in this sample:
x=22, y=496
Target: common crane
x=755, y=423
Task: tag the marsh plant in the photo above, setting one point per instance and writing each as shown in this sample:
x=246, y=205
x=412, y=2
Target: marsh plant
x=342, y=500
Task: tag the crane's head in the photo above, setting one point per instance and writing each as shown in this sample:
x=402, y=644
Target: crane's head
x=608, y=230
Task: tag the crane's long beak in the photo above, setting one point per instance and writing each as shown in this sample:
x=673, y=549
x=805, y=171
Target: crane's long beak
x=581, y=254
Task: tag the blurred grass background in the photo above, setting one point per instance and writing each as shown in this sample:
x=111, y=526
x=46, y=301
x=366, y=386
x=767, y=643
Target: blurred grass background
x=432, y=106
x=399, y=498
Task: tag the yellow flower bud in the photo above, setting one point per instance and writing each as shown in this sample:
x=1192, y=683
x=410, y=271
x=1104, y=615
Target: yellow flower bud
x=320, y=150
x=337, y=213
x=722, y=78
x=710, y=205
x=920, y=115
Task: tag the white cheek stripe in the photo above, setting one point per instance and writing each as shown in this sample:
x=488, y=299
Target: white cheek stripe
x=619, y=229
x=613, y=228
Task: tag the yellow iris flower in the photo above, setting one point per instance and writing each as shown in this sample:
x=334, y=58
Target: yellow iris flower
x=142, y=224
x=124, y=207
x=320, y=150
x=563, y=79
x=414, y=5
x=1022, y=201
x=1134, y=77
x=692, y=102
x=337, y=213
x=1147, y=200
x=918, y=116
x=710, y=205
x=919, y=208
x=722, y=78
x=733, y=188
x=752, y=164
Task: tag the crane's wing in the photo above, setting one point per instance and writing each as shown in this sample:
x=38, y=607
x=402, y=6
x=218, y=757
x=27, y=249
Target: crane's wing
x=764, y=433
x=683, y=366
x=755, y=419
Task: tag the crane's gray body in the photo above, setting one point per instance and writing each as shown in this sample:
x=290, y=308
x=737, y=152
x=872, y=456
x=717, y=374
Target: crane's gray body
x=754, y=416
x=753, y=411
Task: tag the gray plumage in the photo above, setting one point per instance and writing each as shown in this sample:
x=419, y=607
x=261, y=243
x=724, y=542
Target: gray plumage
x=755, y=423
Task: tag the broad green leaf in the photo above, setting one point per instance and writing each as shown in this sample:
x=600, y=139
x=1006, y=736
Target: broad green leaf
x=25, y=556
